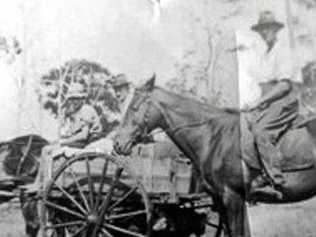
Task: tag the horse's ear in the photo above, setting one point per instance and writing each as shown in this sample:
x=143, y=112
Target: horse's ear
x=150, y=84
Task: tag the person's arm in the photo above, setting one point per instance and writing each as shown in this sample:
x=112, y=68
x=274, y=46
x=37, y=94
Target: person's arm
x=82, y=135
x=279, y=90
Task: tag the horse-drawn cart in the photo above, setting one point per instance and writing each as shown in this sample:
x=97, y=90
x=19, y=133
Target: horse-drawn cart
x=94, y=194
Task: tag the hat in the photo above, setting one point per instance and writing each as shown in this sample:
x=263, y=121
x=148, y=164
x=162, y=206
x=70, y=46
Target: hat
x=77, y=90
x=267, y=20
x=120, y=81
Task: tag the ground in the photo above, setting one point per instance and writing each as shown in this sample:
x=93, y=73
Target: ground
x=266, y=220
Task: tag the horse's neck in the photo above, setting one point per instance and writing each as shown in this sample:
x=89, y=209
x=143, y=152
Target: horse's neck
x=177, y=110
x=185, y=122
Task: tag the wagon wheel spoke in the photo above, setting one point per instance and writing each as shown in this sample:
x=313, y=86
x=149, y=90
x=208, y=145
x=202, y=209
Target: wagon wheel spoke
x=122, y=199
x=63, y=209
x=64, y=225
x=71, y=198
x=91, y=185
x=127, y=214
x=107, y=200
x=31, y=156
x=74, y=177
x=99, y=196
x=123, y=231
x=82, y=228
x=106, y=232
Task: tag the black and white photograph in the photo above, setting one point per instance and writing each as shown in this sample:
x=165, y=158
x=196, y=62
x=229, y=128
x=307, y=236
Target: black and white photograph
x=158, y=118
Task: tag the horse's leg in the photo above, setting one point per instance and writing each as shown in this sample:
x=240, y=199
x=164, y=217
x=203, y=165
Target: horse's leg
x=235, y=215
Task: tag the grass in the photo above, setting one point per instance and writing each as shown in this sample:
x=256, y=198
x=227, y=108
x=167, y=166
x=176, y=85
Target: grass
x=11, y=221
x=290, y=220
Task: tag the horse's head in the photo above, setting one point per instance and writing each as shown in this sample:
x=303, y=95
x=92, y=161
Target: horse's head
x=141, y=117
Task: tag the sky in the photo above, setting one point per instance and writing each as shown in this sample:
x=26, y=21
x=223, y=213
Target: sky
x=126, y=36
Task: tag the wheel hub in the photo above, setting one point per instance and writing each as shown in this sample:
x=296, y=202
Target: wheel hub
x=92, y=219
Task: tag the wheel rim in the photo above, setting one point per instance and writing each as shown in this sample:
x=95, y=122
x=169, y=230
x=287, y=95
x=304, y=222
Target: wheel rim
x=104, y=200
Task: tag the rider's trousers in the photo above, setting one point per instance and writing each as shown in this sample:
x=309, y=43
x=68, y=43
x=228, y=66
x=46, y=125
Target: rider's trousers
x=270, y=154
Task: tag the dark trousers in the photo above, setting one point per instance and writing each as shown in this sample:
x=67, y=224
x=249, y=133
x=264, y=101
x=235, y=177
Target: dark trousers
x=270, y=156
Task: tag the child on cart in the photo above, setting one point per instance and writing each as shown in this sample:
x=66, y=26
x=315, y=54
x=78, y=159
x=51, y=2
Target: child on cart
x=84, y=133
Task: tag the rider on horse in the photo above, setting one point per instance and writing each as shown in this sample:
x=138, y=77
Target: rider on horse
x=275, y=109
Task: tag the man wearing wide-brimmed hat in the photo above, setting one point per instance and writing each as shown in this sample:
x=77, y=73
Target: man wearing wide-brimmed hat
x=275, y=57
x=122, y=89
x=275, y=104
x=84, y=133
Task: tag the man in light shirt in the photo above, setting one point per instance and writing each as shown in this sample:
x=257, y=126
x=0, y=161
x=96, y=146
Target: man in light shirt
x=266, y=91
x=84, y=133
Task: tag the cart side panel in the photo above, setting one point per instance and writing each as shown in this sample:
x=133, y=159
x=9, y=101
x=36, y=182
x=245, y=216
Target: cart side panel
x=157, y=172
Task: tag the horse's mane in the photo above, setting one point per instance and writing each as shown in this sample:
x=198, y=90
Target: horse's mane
x=194, y=103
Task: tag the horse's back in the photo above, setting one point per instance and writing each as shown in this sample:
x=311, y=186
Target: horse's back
x=298, y=149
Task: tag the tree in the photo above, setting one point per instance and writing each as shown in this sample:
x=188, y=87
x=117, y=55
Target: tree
x=95, y=78
x=309, y=4
x=195, y=73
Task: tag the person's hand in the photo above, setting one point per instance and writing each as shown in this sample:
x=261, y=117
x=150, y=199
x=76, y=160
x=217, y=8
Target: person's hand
x=249, y=107
x=263, y=106
x=246, y=109
x=55, y=143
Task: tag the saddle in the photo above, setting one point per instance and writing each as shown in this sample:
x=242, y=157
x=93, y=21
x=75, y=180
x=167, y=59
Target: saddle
x=296, y=146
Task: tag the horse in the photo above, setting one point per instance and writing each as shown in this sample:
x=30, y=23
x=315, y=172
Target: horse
x=20, y=159
x=210, y=138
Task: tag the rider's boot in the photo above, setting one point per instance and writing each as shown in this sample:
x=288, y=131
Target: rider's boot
x=271, y=159
x=259, y=186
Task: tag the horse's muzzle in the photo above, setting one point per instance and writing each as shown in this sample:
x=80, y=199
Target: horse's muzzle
x=122, y=149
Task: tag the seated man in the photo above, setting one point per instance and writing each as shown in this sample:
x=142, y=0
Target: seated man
x=82, y=135
x=269, y=93
x=271, y=116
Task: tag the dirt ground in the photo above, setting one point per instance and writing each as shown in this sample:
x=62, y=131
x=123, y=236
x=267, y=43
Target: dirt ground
x=266, y=220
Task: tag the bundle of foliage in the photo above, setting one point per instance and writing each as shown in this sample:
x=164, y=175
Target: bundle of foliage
x=97, y=81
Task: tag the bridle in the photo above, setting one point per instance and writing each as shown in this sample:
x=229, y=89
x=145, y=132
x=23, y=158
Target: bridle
x=144, y=126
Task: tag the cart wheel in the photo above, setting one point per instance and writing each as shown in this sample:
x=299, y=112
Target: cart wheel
x=94, y=195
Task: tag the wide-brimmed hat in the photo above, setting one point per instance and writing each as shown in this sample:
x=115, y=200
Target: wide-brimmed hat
x=77, y=90
x=267, y=20
x=120, y=81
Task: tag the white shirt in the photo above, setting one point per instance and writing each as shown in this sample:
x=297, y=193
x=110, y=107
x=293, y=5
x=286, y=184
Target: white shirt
x=256, y=65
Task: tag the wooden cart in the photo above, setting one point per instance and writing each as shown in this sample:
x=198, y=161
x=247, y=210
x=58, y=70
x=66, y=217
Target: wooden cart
x=94, y=194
